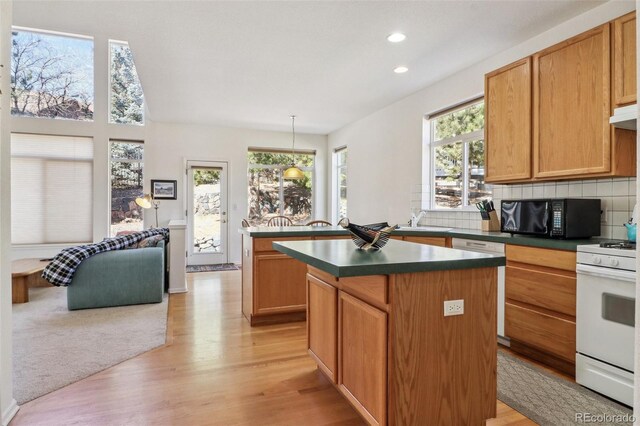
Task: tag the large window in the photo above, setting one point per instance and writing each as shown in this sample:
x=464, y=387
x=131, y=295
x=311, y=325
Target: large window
x=51, y=189
x=457, y=158
x=127, y=161
x=51, y=75
x=341, y=183
x=270, y=195
x=126, y=98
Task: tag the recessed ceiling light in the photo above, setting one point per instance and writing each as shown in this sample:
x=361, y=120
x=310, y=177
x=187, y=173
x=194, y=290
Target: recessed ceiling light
x=400, y=70
x=396, y=37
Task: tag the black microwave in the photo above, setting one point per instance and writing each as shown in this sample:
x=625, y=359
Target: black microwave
x=554, y=218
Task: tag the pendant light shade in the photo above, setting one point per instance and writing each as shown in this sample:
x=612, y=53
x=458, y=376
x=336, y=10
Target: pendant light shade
x=294, y=171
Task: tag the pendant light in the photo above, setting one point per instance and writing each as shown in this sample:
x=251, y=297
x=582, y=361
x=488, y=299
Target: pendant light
x=293, y=172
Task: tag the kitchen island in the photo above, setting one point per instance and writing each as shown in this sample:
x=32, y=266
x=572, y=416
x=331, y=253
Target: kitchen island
x=380, y=329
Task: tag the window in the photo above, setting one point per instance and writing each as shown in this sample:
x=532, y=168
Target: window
x=51, y=189
x=341, y=183
x=126, y=185
x=457, y=158
x=126, y=98
x=51, y=76
x=270, y=195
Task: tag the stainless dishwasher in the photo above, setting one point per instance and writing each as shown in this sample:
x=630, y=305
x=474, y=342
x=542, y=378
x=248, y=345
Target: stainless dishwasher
x=491, y=248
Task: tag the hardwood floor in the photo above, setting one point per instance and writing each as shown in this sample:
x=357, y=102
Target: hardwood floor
x=214, y=370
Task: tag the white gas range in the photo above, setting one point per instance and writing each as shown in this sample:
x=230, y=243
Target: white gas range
x=605, y=318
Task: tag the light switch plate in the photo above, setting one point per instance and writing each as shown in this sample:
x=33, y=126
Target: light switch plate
x=453, y=307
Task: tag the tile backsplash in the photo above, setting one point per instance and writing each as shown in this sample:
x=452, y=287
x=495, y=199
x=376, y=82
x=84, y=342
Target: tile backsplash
x=618, y=196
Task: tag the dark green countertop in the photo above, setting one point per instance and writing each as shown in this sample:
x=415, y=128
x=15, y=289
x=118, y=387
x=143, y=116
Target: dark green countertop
x=431, y=231
x=341, y=258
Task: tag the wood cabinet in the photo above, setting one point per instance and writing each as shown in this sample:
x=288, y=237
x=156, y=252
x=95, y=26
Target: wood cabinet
x=547, y=116
x=362, y=357
x=624, y=60
x=399, y=360
x=571, y=104
x=322, y=325
x=432, y=241
x=508, y=123
x=540, y=308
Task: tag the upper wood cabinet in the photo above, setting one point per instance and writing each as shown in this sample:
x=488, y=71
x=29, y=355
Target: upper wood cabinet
x=571, y=104
x=624, y=60
x=547, y=116
x=508, y=123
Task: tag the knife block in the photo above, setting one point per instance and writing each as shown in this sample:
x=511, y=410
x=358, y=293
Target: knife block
x=492, y=224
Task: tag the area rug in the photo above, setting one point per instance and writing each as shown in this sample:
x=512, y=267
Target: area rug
x=551, y=400
x=53, y=347
x=212, y=268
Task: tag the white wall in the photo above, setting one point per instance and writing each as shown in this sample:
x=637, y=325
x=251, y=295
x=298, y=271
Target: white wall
x=385, y=148
x=8, y=405
x=169, y=145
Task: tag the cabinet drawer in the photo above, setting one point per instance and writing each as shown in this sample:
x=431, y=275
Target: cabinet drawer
x=333, y=237
x=373, y=289
x=432, y=241
x=554, y=291
x=541, y=331
x=550, y=258
x=266, y=244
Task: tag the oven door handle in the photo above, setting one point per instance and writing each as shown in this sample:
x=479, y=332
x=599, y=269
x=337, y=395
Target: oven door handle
x=598, y=271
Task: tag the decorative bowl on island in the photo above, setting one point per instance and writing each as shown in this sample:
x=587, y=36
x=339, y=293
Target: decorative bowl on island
x=368, y=237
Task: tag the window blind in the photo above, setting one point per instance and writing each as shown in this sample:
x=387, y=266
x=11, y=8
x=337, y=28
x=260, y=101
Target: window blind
x=51, y=189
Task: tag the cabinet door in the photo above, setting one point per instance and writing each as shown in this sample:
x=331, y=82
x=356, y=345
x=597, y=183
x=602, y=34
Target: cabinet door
x=322, y=325
x=279, y=284
x=362, y=357
x=508, y=123
x=571, y=102
x=624, y=60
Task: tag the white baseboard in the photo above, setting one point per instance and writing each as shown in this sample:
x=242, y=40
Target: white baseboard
x=178, y=290
x=11, y=411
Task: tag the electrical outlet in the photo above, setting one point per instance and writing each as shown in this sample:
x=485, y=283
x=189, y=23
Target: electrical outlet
x=453, y=307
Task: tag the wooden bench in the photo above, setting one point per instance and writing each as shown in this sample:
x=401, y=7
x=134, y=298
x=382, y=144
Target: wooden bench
x=25, y=273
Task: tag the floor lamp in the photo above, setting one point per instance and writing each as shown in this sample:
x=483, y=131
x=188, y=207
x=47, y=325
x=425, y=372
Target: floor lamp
x=146, y=202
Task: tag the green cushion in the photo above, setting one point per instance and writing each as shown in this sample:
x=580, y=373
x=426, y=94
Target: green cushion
x=117, y=278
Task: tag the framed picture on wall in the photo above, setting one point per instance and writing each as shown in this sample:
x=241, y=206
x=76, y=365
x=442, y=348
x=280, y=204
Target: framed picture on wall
x=164, y=189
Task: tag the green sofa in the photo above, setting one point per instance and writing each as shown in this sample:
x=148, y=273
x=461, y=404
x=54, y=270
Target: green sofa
x=119, y=277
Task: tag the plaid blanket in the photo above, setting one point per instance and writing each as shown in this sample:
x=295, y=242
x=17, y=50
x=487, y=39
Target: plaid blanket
x=61, y=269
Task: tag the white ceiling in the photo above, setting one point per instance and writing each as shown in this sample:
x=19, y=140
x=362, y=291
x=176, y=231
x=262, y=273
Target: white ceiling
x=252, y=64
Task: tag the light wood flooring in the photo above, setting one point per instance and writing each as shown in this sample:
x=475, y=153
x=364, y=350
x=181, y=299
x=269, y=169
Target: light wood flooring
x=214, y=370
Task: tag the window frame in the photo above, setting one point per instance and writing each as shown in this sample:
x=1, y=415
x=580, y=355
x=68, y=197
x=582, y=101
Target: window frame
x=92, y=39
x=109, y=176
x=465, y=139
x=336, y=181
x=282, y=168
x=110, y=92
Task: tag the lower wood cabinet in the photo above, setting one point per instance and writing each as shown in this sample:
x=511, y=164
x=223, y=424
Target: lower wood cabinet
x=278, y=286
x=362, y=357
x=322, y=325
x=432, y=241
x=540, y=308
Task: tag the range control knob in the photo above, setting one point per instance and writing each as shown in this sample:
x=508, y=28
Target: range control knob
x=614, y=262
x=597, y=260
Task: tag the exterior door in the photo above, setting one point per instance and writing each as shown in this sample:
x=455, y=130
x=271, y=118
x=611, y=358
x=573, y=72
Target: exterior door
x=207, y=212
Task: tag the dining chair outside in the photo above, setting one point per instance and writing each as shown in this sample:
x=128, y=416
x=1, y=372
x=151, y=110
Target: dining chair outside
x=280, y=221
x=319, y=223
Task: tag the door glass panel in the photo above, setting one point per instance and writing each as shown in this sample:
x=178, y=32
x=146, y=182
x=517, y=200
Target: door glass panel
x=619, y=309
x=206, y=210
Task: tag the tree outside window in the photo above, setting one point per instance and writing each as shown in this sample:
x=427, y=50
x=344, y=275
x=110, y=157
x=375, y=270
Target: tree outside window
x=270, y=195
x=51, y=76
x=126, y=97
x=457, y=158
x=127, y=166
